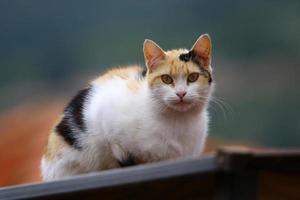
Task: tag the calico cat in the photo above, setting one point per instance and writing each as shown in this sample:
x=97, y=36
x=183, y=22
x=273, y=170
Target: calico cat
x=130, y=116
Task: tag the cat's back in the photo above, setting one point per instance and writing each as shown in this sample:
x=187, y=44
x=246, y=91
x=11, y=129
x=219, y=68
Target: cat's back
x=114, y=95
x=118, y=84
x=130, y=73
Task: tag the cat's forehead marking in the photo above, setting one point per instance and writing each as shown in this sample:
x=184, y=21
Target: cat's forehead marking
x=185, y=57
x=175, y=65
x=190, y=56
x=176, y=52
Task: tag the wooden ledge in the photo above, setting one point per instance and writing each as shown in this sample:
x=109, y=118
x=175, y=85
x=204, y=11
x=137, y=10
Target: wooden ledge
x=231, y=173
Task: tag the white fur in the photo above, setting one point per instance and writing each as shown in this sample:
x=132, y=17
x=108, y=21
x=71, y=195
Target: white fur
x=146, y=123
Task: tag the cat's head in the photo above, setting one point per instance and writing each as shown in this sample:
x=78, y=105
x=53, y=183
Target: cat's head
x=180, y=79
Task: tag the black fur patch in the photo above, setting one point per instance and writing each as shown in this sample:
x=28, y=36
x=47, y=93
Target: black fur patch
x=64, y=130
x=130, y=161
x=186, y=56
x=190, y=56
x=75, y=108
x=73, y=116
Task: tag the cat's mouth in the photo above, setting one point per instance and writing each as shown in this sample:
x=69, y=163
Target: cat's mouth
x=179, y=101
x=182, y=101
x=180, y=104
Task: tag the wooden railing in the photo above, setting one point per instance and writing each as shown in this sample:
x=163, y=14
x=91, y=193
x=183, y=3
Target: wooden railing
x=235, y=174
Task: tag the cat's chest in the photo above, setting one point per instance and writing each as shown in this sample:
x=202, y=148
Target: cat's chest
x=164, y=141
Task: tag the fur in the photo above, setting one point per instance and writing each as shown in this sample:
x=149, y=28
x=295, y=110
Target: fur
x=130, y=117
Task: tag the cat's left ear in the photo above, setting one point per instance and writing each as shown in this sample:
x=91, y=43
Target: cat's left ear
x=203, y=50
x=153, y=54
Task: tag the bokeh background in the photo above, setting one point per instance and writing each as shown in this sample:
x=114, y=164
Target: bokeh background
x=51, y=49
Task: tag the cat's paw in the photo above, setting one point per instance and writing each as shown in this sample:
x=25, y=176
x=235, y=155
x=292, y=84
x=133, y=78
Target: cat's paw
x=124, y=158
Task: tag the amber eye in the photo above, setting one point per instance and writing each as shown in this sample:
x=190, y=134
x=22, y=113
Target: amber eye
x=193, y=77
x=166, y=79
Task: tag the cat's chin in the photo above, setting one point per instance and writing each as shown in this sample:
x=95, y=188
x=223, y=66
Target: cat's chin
x=181, y=106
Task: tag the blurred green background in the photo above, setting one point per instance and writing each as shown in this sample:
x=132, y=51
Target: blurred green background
x=50, y=49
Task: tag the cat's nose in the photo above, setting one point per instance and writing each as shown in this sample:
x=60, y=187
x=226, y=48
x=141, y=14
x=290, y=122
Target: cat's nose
x=181, y=94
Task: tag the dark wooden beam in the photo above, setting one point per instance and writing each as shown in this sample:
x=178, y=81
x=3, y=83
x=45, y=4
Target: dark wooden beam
x=233, y=159
x=137, y=182
x=233, y=173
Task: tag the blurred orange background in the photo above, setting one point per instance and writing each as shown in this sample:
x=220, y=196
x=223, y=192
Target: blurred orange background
x=24, y=133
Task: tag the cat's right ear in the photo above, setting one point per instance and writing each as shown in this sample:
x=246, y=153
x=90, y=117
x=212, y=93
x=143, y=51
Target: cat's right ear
x=153, y=54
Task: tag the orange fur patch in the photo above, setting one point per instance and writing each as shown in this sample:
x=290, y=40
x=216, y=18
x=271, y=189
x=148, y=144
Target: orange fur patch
x=55, y=144
x=123, y=73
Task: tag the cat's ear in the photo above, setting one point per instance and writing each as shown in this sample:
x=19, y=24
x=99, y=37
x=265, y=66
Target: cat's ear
x=153, y=54
x=202, y=49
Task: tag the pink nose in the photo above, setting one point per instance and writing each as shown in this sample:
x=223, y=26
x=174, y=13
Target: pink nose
x=181, y=94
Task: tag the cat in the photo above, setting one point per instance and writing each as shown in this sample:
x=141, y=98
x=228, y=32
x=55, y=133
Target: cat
x=130, y=116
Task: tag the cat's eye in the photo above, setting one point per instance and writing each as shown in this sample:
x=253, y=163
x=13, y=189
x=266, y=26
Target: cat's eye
x=193, y=77
x=166, y=79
